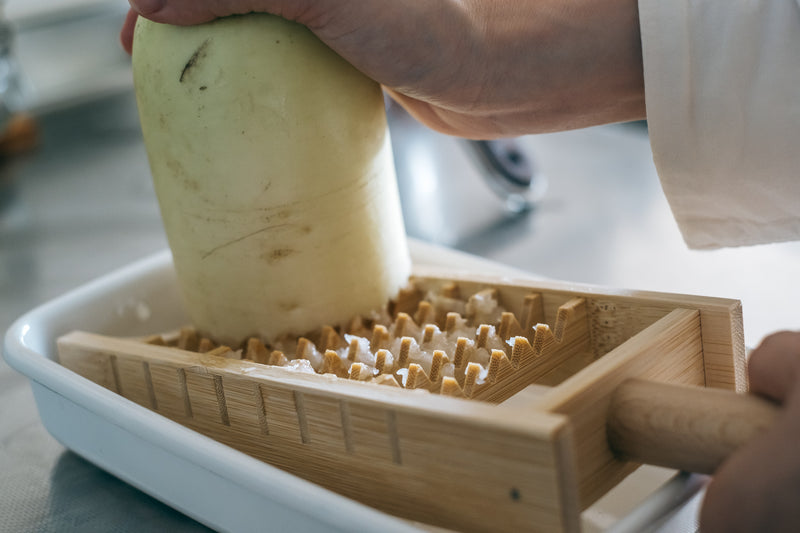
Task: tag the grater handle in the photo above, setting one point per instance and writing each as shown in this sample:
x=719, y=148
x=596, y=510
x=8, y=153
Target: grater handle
x=686, y=428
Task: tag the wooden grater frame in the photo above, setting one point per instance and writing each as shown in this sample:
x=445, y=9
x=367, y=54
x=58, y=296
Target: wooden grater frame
x=535, y=462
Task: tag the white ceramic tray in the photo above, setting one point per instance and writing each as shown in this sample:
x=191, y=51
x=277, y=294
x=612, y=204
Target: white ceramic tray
x=178, y=466
x=189, y=471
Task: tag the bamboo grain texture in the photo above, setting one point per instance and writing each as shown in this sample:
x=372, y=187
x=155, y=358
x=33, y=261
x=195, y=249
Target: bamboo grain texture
x=441, y=449
x=687, y=427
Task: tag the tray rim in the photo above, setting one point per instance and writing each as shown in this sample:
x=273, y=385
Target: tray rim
x=30, y=345
x=29, y=348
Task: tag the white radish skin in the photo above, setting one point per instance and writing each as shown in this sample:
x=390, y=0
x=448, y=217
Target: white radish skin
x=272, y=164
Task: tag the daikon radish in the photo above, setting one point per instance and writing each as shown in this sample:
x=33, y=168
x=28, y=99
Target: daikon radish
x=272, y=164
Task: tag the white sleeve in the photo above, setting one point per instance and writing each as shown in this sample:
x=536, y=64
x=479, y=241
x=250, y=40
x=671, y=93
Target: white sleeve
x=722, y=89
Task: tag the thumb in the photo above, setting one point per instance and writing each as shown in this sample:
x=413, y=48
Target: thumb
x=774, y=366
x=126, y=33
x=188, y=12
x=177, y=12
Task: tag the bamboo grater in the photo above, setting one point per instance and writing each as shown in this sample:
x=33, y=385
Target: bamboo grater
x=546, y=404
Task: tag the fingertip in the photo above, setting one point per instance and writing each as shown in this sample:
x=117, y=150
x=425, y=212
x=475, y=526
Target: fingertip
x=126, y=33
x=184, y=13
x=147, y=7
x=774, y=366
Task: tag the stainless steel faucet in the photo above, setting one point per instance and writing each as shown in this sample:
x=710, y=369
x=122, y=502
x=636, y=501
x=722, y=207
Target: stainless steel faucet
x=455, y=189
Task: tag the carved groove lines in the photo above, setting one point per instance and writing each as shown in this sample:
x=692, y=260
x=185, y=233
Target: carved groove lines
x=205, y=400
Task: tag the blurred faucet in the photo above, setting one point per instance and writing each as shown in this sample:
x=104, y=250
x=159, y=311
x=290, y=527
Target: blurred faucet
x=508, y=171
x=10, y=87
x=452, y=189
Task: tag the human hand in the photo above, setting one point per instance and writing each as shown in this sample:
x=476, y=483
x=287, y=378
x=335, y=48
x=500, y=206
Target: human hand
x=758, y=488
x=472, y=68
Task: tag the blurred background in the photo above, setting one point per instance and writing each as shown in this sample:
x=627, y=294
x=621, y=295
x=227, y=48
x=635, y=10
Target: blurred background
x=76, y=202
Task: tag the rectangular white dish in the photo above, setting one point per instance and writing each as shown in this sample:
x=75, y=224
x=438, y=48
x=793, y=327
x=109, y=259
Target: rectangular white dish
x=174, y=464
x=178, y=466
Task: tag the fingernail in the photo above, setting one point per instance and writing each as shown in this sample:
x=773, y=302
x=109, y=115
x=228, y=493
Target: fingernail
x=147, y=7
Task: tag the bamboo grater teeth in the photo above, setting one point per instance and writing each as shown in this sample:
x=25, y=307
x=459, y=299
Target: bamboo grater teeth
x=463, y=347
x=474, y=403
